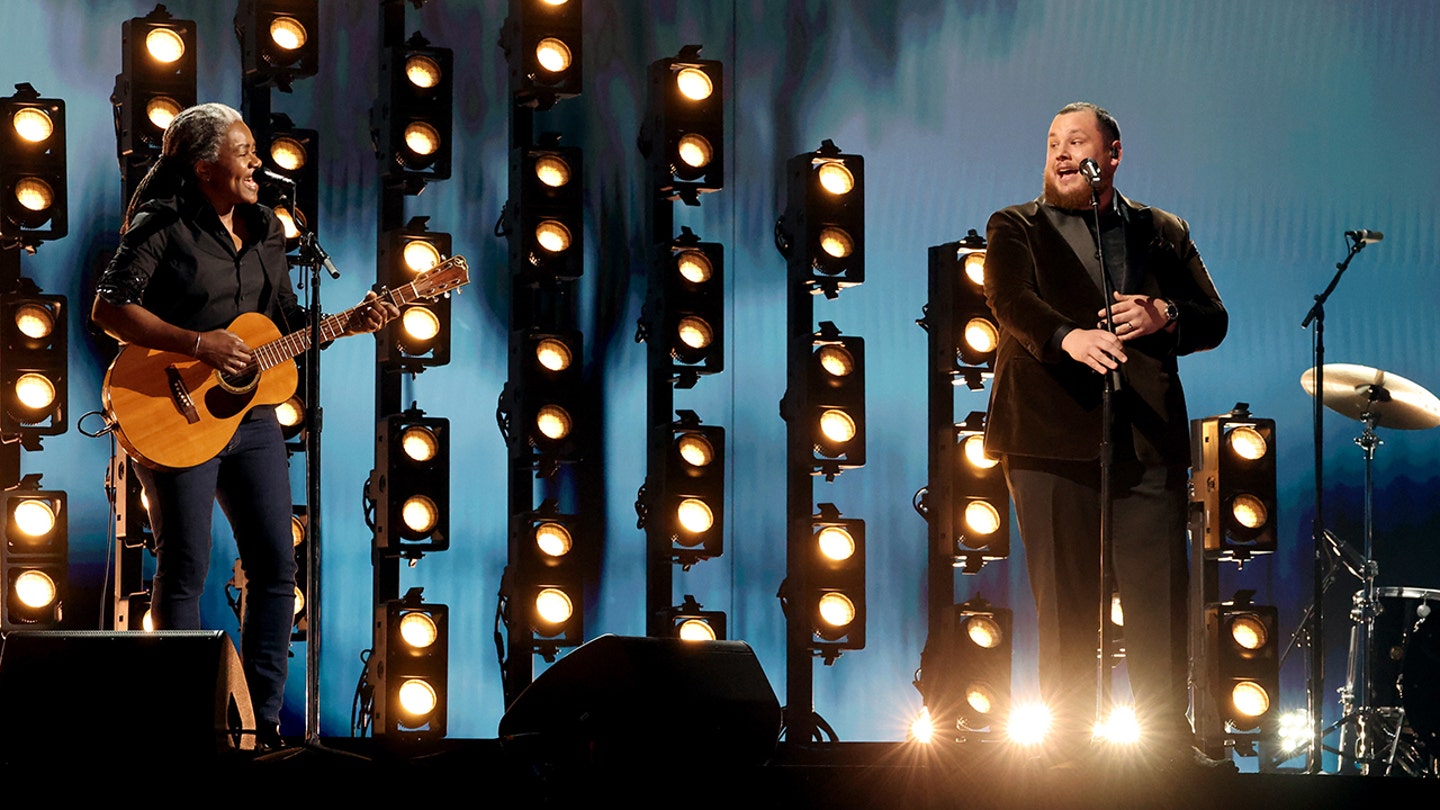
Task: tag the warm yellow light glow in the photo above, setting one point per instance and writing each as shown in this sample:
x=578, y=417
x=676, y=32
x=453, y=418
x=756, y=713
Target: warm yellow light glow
x=835, y=178
x=1249, y=511
x=552, y=236
x=694, y=332
x=836, y=242
x=553, y=606
x=35, y=589
x=1250, y=699
x=1121, y=727
x=553, y=540
x=297, y=531
x=34, y=321
x=836, y=360
x=288, y=153
x=1247, y=442
x=417, y=698
x=161, y=110
x=553, y=354
x=922, y=728
x=422, y=71
x=32, y=124
x=694, y=266
x=696, y=630
x=975, y=267
x=695, y=449
x=418, y=629
x=1295, y=730
x=419, y=443
x=164, y=45
x=694, y=84
x=980, y=697
x=35, y=391
x=837, y=426
x=34, y=193
x=420, y=514
x=695, y=517
x=1248, y=631
x=1117, y=611
x=1029, y=723
x=287, y=222
x=974, y=448
x=835, y=543
x=34, y=517
x=984, y=632
x=422, y=139
x=299, y=601
x=981, y=335
x=552, y=171
x=695, y=151
x=420, y=255
x=553, y=422
x=420, y=323
x=287, y=33
x=148, y=622
x=553, y=55
x=982, y=518
x=290, y=413
x=836, y=609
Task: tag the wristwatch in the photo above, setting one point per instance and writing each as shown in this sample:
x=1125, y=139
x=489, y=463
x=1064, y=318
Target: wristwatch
x=1171, y=311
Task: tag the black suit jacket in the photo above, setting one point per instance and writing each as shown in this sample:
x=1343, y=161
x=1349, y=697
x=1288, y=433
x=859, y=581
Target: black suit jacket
x=1044, y=404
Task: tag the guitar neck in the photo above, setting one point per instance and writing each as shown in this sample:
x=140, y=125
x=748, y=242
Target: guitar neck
x=331, y=327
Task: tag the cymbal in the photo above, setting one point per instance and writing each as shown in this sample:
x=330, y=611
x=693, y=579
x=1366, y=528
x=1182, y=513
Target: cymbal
x=1391, y=400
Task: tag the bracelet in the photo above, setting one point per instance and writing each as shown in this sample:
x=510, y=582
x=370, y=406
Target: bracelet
x=195, y=352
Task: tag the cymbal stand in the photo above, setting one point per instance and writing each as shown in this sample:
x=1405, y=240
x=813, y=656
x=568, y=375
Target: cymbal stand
x=1363, y=715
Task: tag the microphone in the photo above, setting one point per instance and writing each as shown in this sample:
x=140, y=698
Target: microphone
x=1091, y=170
x=277, y=178
x=1365, y=237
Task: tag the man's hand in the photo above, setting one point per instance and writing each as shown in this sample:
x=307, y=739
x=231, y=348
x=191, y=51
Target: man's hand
x=373, y=315
x=222, y=350
x=1096, y=348
x=1135, y=316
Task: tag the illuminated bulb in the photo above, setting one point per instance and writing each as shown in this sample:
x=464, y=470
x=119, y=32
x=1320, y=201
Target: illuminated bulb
x=552, y=171
x=297, y=531
x=694, y=84
x=419, y=514
x=553, y=422
x=287, y=33
x=288, y=153
x=1029, y=723
x=422, y=71
x=695, y=151
x=419, y=443
x=420, y=323
x=836, y=242
x=31, y=124
x=696, y=630
x=421, y=138
x=34, y=193
x=420, y=255
x=982, y=518
x=34, y=321
x=553, y=606
x=418, y=629
x=1249, y=511
x=695, y=332
x=417, y=697
x=836, y=360
x=836, y=609
x=975, y=267
x=552, y=236
x=164, y=45
x=553, y=539
x=299, y=601
x=287, y=221
x=980, y=697
x=1248, y=632
x=975, y=452
x=694, y=266
x=922, y=728
x=290, y=413
x=34, y=517
x=837, y=426
x=35, y=391
x=1122, y=726
x=553, y=354
x=1247, y=443
x=835, y=178
x=984, y=632
x=35, y=589
x=981, y=335
x=1250, y=699
x=553, y=55
x=161, y=110
x=1295, y=730
x=1117, y=611
x=148, y=623
x=695, y=517
x=835, y=543
x=695, y=449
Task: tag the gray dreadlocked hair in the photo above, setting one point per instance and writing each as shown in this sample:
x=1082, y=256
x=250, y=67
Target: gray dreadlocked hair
x=195, y=134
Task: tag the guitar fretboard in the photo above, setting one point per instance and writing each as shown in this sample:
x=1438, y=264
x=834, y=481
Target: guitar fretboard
x=334, y=326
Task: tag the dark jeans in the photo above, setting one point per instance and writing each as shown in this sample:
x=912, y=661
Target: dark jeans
x=250, y=479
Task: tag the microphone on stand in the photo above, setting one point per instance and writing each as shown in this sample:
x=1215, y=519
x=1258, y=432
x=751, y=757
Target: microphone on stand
x=1363, y=237
x=277, y=178
x=1091, y=171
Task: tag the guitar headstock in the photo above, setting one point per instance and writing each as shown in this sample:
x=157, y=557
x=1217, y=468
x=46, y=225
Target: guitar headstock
x=448, y=275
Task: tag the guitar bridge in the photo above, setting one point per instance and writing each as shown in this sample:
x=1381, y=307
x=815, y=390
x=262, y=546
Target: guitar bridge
x=180, y=395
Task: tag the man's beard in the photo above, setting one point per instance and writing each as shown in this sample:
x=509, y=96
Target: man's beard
x=1075, y=201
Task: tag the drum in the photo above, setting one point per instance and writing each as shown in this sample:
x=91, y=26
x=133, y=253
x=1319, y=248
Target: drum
x=1401, y=612
x=1420, y=679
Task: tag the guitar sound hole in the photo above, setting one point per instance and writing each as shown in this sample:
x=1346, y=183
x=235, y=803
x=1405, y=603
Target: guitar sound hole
x=239, y=383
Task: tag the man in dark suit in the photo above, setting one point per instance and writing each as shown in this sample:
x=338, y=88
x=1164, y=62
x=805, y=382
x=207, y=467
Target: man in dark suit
x=1043, y=282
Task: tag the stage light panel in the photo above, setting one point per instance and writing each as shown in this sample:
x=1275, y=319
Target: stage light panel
x=835, y=574
x=411, y=483
x=279, y=40
x=978, y=495
x=414, y=120
x=542, y=44
x=35, y=556
x=965, y=671
x=546, y=388
x=34, y=203
x=1242, y=668
x=689, y=306
x=547, y=219
x=1235, y=483
x=293, y=152
x=410, y=670
x=34, y=387
x=421, y=337
x=690, y=502
x=683, y=135
x=157, y=80
x=835, y=399
x=824, y=222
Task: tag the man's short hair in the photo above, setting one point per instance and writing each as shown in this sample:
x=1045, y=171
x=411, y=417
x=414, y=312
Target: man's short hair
x=1108, y=126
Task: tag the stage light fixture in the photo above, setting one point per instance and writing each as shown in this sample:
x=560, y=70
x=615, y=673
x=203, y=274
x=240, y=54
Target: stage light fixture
x=293, y=152
x=1029, y=723
x=34, y=387
x=965, y=669
x=979, y=497
x=683, y=136
x=33, y=177
x=836, y=582
x=689, y=307
x=299, y=538
x=411, y=483
x=835, y=400
x=1235, y=483
x=34, y=557
x=690, y=502
x=822, y=233
x=546, y=378
x=411, y=662
x=542, y=44
x=413, y=123
x=420, y=338
x=546, y=220
x=547, y=576
x=279, y=40
x=1242, y=667
x=156, y=82
x=291, y=416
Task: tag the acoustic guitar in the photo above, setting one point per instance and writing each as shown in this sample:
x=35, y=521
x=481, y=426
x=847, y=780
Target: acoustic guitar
x=170, y=411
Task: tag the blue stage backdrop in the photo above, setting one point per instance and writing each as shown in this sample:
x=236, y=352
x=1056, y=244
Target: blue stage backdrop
x=1272, y=127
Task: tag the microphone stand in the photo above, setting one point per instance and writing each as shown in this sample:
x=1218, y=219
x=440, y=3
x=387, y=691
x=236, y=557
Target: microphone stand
x=1315, y=672
x=1107, y=463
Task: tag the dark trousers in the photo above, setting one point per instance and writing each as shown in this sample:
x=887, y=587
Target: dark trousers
x=1058, y=507
x=250, y=479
